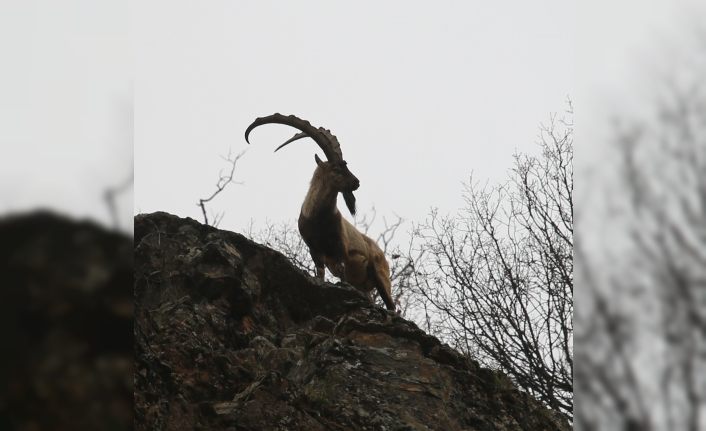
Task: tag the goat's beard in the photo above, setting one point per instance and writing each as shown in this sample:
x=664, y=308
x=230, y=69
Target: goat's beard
x=350, y=201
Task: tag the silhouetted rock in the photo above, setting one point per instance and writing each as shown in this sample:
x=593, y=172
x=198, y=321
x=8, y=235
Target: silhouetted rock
x=230, y=335
x=65, y=324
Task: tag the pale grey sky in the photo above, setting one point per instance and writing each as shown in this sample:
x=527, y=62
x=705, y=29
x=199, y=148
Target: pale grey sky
x=65, y=106
x=628, y=51
x=419, y=95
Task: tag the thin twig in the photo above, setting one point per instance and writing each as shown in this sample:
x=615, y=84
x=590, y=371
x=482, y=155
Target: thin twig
x=223, y=181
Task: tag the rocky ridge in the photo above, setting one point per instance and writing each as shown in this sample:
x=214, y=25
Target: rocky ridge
x=66, y=315
x=230, y=335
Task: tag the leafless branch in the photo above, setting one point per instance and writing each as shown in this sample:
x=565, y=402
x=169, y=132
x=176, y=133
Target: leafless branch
x=223, y=181
x=110, y=194
x=498, y=278
x=650, y=307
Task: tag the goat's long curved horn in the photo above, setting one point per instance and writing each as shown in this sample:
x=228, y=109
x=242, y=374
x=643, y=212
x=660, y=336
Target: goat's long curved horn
x=326, y=132
x=298, y=136
x=328, y=142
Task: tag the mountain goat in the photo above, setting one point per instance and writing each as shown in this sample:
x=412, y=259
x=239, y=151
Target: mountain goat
x=333, y=242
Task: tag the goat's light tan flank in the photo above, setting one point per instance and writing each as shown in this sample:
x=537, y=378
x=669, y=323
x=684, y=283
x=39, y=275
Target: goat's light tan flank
x=333, y=242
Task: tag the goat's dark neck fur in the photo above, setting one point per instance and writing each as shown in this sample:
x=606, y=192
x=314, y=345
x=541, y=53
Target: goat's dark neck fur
x=320, y=221
x=321, y=197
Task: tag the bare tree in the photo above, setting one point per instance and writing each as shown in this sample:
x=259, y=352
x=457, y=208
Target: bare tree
x=285, y=238
x=642, y=327
x=223, y=181
x=497, y=280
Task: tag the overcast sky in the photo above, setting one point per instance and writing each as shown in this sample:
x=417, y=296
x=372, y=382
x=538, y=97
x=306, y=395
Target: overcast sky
x=420, y=95
x=65, y=106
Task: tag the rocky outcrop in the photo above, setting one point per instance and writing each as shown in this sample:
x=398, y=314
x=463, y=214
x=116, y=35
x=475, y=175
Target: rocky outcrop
x=66, y=324
x=230, y=335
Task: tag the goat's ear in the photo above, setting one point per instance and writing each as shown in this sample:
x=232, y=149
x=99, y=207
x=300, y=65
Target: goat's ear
x=318, y=160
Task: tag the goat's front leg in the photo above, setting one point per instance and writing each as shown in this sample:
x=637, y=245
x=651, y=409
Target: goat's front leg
x=319, y=265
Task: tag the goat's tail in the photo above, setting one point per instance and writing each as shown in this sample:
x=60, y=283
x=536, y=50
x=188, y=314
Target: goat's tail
x=380, y=273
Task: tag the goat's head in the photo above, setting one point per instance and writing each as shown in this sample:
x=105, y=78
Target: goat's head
x=335, y=168
x=341, y=178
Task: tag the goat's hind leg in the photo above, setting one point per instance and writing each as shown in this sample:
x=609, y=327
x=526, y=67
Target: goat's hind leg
x=380, y=272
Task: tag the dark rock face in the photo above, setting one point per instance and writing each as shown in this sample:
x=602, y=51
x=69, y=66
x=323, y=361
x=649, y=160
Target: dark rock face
x=229, y=335
x=66, y=325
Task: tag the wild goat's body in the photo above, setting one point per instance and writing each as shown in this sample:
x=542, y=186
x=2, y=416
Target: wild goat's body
x=336, y=244
x=333, y=242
